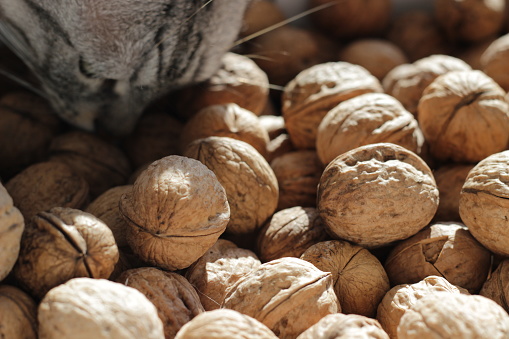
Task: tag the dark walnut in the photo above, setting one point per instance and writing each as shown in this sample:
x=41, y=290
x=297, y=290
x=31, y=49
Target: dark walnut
x=176, y=210
x=62, y=244
x=497, y=286
x=12, y=225
x=18, y=312
x=259, y=15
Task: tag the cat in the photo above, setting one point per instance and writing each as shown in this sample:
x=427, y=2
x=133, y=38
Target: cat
x=101, y=62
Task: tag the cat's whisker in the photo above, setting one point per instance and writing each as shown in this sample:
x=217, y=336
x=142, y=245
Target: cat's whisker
x=23, y=83
x=264, y=57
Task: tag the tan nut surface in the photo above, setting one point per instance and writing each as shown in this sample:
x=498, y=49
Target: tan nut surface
x=314, y=91
x=353, y=191
x=367, y=119
x=345, y=326
x=464, y=117
x=259, y=15
x=484, y=202
x=247, y=178
x=493, y=61
x=12, y=225
x=85, y=308
x=219, y=268
x=224, y=324
x=61, y=244
x=288, y=295
x=401, y=297
x=497, y=286
x=452, y=315
x=174, y=297
x=360, y=281
x=18, y=314
x=176, y=211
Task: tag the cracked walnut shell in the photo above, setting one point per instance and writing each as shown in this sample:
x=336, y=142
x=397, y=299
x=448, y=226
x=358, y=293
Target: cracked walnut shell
x=18, y=314
x=497, y=286
x=12, y=225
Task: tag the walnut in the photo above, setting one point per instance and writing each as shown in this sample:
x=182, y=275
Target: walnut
x=290, y=232
x=484, y=202
x=259, y=15
x=228, y=120
x=445, y=249
x=497, y=286
x=97, y=308
x=401, y=297
x=352, y=18
x=18, y=312
x=220, y=267
x=224, y=324
x=176, y=210
x=44, y=185
x=375, y=55
x=27, y=125
x=367, y=119
x=344, y=326
x=494, y=61
x=12, y=225
x=360, y=281
x=472, y=55
x=274, y=125
x=174, y=297
x=298, y=174
x=354, y=189
x=279, y=146
x=407, y=82
x=316, y=90
x=288, y=295
x=247, y=178
x=239, y=80
x=470, y=20
x=452, y=315
x=464, y=117
x=62, y=244
x=100, y=163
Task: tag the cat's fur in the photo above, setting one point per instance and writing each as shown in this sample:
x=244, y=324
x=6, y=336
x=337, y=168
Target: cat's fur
x=102, y=61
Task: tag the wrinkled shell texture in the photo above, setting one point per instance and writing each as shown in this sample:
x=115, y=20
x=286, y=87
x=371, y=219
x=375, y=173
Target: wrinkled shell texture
x=288, y=295
x=451, y=315
x=464, y=117
x=443, y=249
x=18, y=314
x=360, y=281
x=497, y=286
x=85, y=308
x=401, y=297
x=484, y=202
x=44, y=185
x=176, y=211
x=494, y=61
x=290, y=232
x=247, y=178
x=353, y=191
x=220, y=267
x=314, y=91
x=366, y=119
x=345, y=326
x=62, y=244
x=174, y=297
x=224, y=324
x=12, y=225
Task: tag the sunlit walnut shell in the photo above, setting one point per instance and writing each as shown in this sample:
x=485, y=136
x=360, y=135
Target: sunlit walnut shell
x=494, y=61
x=12, y=225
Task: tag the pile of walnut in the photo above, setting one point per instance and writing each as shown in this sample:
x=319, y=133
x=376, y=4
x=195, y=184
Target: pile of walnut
x=348, y=180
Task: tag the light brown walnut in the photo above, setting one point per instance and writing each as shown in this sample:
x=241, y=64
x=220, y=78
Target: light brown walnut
x=18, y=314
x=259, y=15
x=278, y=146
x=12, y=225
x=494, y=61
x=497, y=286
x=273, y=124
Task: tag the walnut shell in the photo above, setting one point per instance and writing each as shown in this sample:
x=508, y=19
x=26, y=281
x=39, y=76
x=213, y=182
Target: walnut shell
x=344, y=326
x=353, y=191
x=259, y=15
x=472, y=55
x=298, y=174
x=484, y=203
x=228, y=120
x=451, y=315
x=443, y=249
x=45, y=185
x=288, y=295
x=367, y=119
x=273, y=124
x=247, y=178
x=400, y=298
x=176, y=210
x=497, y=286
x=464, y=117
x=174, y=297
x=62, y=244
x=85, y=308
x=219, y=268
x=12, y=225
x=494, y=61
x=279, y=146
x=289, y=232
x=360, y=281
x=224, y=324
x=316, y=90
x=18, y=313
